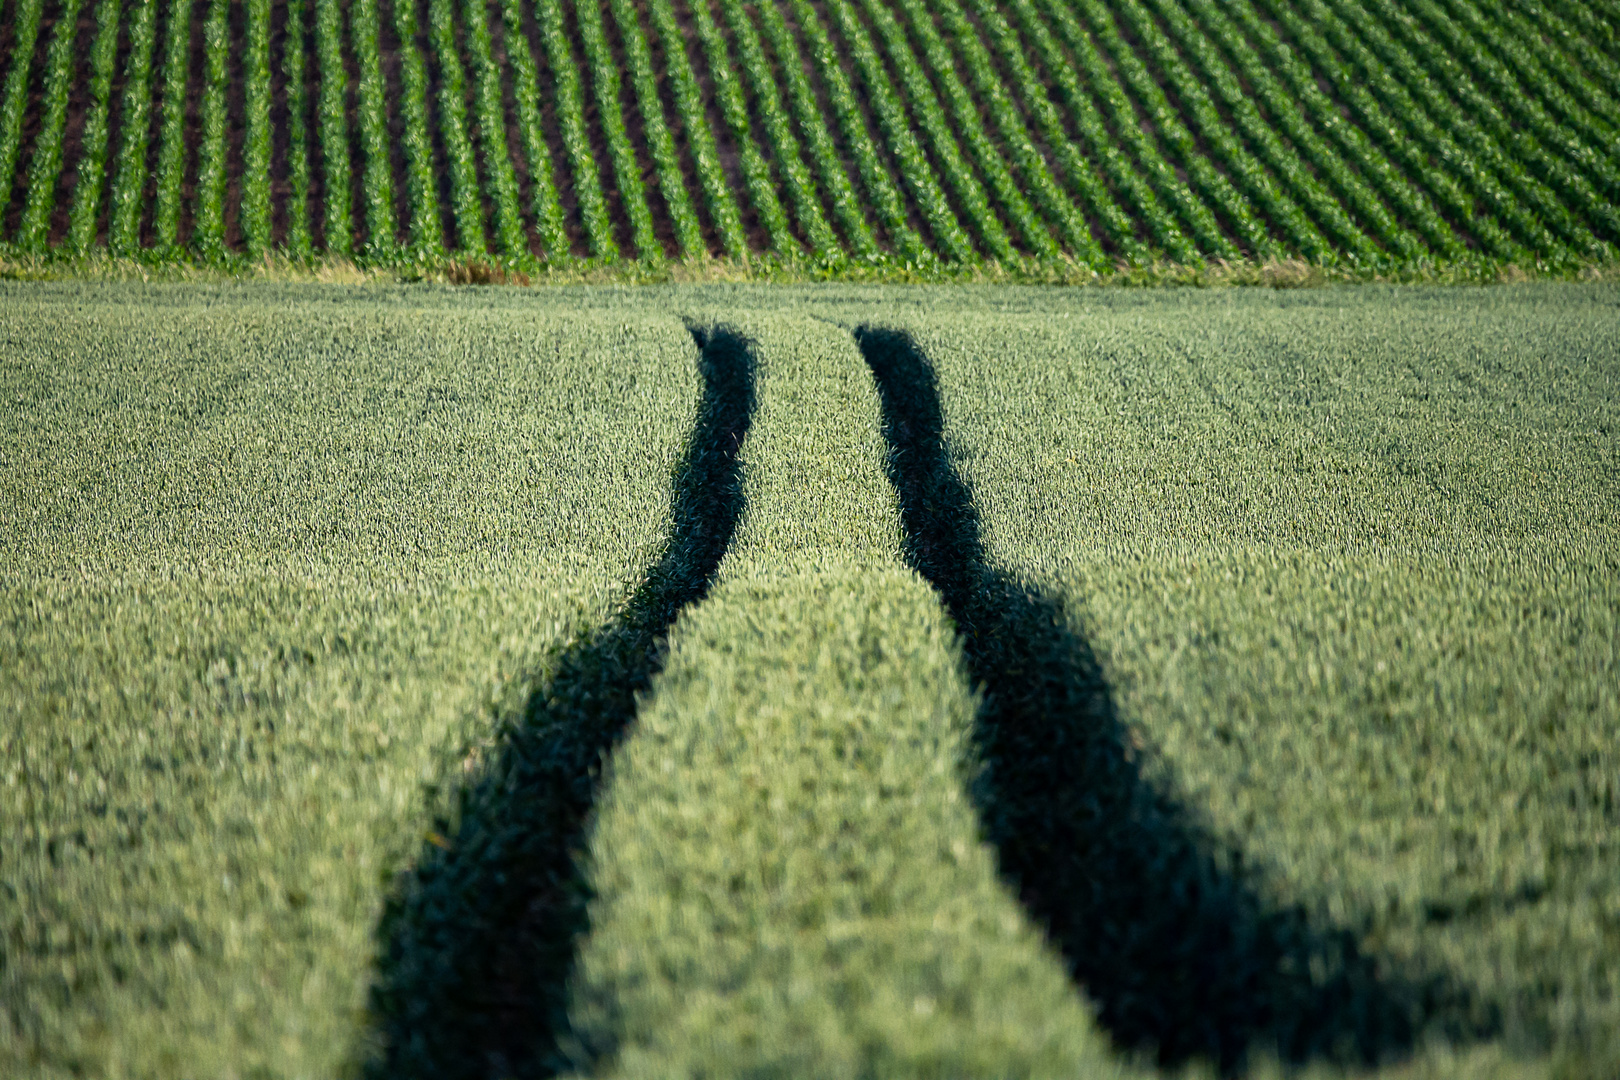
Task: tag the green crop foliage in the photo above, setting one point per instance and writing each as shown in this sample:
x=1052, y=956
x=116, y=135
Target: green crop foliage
x=298, y=242
x=125, y=199
x=34, y=230
x=671, y=184
x=277, y=572
x=570, y=104
x=338, y=218
x=93, y=140
x=27, y=15
x=694, y=127
x=509, y=233
x=364, y=24
x=466, y=204
x=626, y=169
x=208, y=227
x=256, y=143
x=171, y=164
x=547, y=210
x=427, y=227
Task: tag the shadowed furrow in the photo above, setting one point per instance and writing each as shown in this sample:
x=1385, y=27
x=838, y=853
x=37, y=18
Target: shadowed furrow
x=476, y=948
x=1156, y=918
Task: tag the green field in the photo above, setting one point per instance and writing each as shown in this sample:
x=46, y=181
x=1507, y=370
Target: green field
x=838, y=682
x=906, y=140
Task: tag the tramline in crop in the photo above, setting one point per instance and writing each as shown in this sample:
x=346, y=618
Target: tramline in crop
x=1053, y=138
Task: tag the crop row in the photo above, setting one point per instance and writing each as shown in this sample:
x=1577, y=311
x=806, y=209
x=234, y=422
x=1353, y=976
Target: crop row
x=1030, y=133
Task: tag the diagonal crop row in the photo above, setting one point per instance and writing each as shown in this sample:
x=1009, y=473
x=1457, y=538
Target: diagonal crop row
x=298, y=241
x=256, y=147
x=503, y=186
x=605, y=89
x=172, y=153
x=887, y=203
x=671, y=184
x=364, y=25
x=465, y=204
x=1593, y=76
x=1082, y=178
x=1390, y=184
x=734, y=111
x=421, y=187
x=836, y=188
x=570, y=102
x=1307, y=193
x=544, y=203
x=208, y=233
x=124, y=199
x=34, y=232
x=93, y=140
x=337, y=217
x=1392, y=118
x=27, y=15
x=785, y=149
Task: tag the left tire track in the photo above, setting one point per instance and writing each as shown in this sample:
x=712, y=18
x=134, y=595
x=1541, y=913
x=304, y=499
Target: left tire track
x=475, y=949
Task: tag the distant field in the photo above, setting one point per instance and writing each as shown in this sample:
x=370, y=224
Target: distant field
x=1010, y=681
x=1019, y=139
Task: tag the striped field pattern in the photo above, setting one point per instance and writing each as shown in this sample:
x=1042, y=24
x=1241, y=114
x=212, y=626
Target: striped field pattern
x=1370, y=135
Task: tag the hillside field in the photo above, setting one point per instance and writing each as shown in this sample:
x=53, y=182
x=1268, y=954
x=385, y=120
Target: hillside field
x=838, y=681
x=1045, y=140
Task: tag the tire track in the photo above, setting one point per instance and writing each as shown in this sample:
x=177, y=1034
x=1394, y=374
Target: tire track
x=1157, y=919
x=476, y=947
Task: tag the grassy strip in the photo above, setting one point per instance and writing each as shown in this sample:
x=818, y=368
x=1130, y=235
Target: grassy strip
x=788, y=874
x=126, y=200
x=1315, y=210
x=547, y=210
x=44, y=170
x=1357, y=194
x=671, y=184
x=338, y=218
x=485, y=926
x=27, y=14
x=465, y=198
x=881, y=193
x=926, y=112
x=245, y=682
x=364, y=24
x=171, y=166
x=208, y=232
x=86, y=210
x=298, y=243
x=1385, y=115
x=510, y=237
x=734, y=110
x=835, y=183
x=952, y=242
x=698, y=138
x=785, y=151
x=256, y=144
x=571, y=115
x=626, y=169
